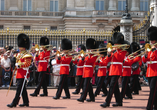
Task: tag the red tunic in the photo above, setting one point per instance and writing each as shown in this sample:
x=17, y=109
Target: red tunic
x=117, y=59
x=139, y=60
x=127, y=67
x=80, y=65
x=65, y=63
x=89, y=66
x=43, y=60
x=25, y=64
x=151, y=61
x=103, y=61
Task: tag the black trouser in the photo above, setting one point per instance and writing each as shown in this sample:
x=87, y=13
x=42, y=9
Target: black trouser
x=114, y=88
x=63, y=84
x=101, y=84
x=79, y=84
x=153, y=93
x=18, y=91
x=107, y=79
x=134, y=84
x=41, y=82
x=87, y=87
x=125, y=87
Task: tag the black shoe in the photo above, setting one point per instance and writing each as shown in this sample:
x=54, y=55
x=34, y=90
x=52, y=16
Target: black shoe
x=42, y=95
x=81, y=92
x=130, y=97
x=154, y=109
x=11, y=105
x=95, y=95
x=66, y=97
x=75, y=92
x=117, y=104
x=22, y=105
x=135, y=93
x=104, y=105
x=80, y=100
x=56, y=97
x=90, y=100
x=104, y=95
x=34, y=94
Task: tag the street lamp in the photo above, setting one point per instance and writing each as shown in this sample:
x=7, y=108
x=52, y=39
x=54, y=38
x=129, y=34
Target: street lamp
x=126, y=15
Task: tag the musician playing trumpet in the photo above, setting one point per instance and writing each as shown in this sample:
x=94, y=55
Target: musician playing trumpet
x=151, y=59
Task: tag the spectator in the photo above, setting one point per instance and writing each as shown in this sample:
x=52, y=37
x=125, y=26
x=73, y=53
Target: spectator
x=6, y=65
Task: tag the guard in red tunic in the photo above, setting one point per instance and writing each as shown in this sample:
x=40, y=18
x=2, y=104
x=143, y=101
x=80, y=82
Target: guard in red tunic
x=126, y=75
x=42, y=66
x=102, y=61
x=80, y=64
x=116, y=58
x=137, y=62
x=64, y=62
x=23, y=61
x=151, y=59
x=88, y=71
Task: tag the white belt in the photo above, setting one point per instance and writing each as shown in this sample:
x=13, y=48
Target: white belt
x=64, y=65
x=151, y=62
x=117, y=63
x=42, y=60
x=80, y=66
x=88, y=66
x=126, y=67
x=102, y=66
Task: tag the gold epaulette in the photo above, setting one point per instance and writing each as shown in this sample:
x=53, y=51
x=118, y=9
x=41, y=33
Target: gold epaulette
x=27, y=56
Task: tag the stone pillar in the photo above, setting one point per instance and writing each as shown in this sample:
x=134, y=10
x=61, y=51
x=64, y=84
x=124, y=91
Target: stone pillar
x=135, y=5
x=126, y=29
x=13, y=5
x=112, y=5
x=70, y=4
x=153, y=7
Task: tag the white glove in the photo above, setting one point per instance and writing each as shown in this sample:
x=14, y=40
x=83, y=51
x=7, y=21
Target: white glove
x=17, y=65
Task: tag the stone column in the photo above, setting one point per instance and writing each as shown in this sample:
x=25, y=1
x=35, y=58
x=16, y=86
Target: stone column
x=135, y=5
x=70, y=4
x=153, y=7
x=112, y=5
x=126, y=29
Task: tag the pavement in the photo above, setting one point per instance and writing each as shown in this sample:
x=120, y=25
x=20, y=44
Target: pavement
x=138, y=102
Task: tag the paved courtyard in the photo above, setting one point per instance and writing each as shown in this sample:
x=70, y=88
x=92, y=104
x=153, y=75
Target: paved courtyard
x=138, y=102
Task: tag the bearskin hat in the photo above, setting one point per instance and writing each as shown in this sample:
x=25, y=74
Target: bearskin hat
x=152, y=33
x=100, y=50
x=44, y=41
x=129, y=49
x=81, y=47
x=23, y=41
x=66, y=44
x=90, y=43
x=8, y=47
x=135, y=46
x=118, y=38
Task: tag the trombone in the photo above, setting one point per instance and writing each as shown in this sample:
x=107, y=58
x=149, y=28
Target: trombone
x=147, y=48
x=123, y=47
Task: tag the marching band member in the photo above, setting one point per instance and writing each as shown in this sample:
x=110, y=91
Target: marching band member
x=126, y=74
x=151, y=59
x=117, y=58
x=137, y=62
x=88, y=72
x=64, y=62
x=80, y=63
x=23, y=60
x=42, y=67
x=102, y=62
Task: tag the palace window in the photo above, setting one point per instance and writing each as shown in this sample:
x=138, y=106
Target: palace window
x=53, y=28
x=99, y=4
x=2, y=5
x=54, y=5
x=27, y=5
x=121, y=5
x=144, y=5
x=26, y=27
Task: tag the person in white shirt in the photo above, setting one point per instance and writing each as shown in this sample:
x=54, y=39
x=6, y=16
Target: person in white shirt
x=6, y=70
x=56, y=69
